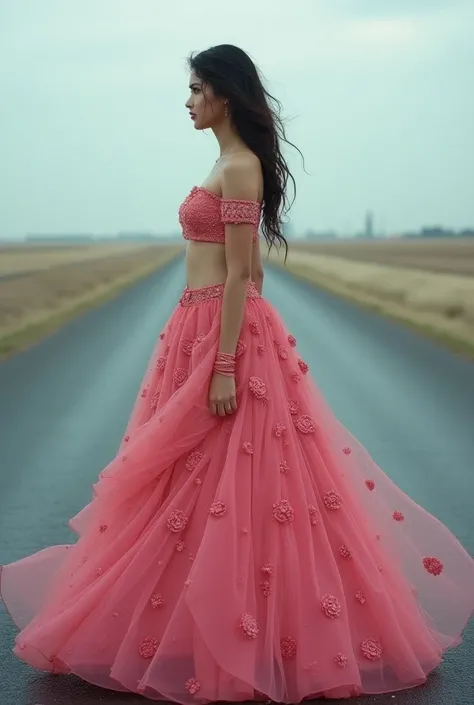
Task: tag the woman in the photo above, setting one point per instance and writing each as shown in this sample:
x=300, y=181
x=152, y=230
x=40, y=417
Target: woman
x=242, y=545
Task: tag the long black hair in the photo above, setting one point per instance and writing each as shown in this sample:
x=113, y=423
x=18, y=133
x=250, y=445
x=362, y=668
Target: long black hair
x=256, y=115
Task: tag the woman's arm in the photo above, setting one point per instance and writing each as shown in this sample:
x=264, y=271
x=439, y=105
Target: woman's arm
x=240, y=181
x=257, y=267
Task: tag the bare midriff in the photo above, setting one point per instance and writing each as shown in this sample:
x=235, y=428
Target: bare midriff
x=205, y=264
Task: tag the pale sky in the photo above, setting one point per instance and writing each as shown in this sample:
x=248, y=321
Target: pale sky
x=94, y=135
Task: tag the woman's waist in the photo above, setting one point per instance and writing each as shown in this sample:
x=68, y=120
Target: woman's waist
x=205, y=265
x=193, y=296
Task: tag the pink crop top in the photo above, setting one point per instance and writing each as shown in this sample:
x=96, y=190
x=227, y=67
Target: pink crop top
x=203, y=215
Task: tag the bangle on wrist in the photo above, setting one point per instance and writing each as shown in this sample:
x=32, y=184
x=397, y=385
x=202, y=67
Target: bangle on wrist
x=224, y=364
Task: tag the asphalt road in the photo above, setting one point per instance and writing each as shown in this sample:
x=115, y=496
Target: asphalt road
x=64, y=405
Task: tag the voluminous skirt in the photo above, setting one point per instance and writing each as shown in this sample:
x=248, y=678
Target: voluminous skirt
x=262, y=555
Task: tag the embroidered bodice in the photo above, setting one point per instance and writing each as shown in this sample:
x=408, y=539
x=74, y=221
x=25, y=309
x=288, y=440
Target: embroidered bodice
x=203, y=215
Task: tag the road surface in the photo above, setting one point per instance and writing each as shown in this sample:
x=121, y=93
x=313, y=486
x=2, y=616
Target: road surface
x=64, y=405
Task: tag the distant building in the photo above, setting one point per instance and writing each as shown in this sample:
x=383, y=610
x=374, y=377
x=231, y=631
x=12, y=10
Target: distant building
x=320, y=235
x=369, y=224
x=436, y=231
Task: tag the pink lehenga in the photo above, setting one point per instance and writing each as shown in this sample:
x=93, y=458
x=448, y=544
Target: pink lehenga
x=262, y=555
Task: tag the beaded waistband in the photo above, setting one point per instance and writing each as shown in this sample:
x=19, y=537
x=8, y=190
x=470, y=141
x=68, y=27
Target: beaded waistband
x=191, y=297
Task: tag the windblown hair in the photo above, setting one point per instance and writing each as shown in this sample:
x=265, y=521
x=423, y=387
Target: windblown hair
x=256, y=115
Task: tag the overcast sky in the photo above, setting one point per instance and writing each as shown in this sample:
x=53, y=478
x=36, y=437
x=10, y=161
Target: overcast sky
x=94, y=135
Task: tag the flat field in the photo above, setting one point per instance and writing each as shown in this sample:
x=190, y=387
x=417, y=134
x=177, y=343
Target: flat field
x=41, y=287
x=426, y=284
x=448, y=255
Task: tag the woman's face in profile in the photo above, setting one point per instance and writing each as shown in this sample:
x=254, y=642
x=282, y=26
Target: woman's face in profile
x=205, y=107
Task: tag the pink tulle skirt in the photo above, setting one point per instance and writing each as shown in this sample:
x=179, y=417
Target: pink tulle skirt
x=262, y=555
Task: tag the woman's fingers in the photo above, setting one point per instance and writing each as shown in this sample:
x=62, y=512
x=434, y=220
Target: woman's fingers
x=223, y=408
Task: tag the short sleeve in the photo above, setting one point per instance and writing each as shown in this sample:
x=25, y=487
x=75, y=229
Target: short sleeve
x=235, y=211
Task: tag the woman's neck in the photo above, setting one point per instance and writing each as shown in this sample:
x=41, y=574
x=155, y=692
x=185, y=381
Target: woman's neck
x=228, y=139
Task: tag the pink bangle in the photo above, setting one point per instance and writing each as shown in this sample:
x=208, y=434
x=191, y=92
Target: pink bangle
x=224, y=364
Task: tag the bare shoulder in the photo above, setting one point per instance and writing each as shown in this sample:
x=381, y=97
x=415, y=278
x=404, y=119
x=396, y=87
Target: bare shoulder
x=242, y=177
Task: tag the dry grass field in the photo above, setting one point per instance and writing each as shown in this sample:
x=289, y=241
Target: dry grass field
x=16, y=259
x=428, y=285
x=443, y=255
x=43, y=287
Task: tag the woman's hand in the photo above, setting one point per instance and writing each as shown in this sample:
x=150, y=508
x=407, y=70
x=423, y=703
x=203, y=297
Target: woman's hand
x=222, y=395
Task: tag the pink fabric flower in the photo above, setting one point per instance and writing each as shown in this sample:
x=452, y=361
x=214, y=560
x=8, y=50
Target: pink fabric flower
x=266, y=588
x=186, y=346
x=295, y=376
x=303, y=366
x=261, y=349
x=161, y=364
x=126, y=439
x=217, y=509
x=433, y=565
x=345, y=552
x=258, y=387
x=162, y=335
x=198, y=481
x=267, y=569
x=331, y=606
x=240, y=349
x=305, y=424
x=157, y=600
x=177, y=521
x=398, y=516
x=282, y=352
x=193, y=460
x=347, y=450
x=148, y=647
x=193, y=686
x=360, y=597
x=249, y=626
x=370, y=484
x=154, y=401
x=371, y=649
x=340, y=660
x=288, y=647
x=284, y=467
x=247, y=447
x=332, y=500
x=255, y=327
x=283, y=512
x=310, y=666
x=144, y=392
x=180, y=376
x=292, y=341
x=280, y=430
x=293, y=407
x=198, y=340
x=103, y=528
x=314, y=515
x=180, y=546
